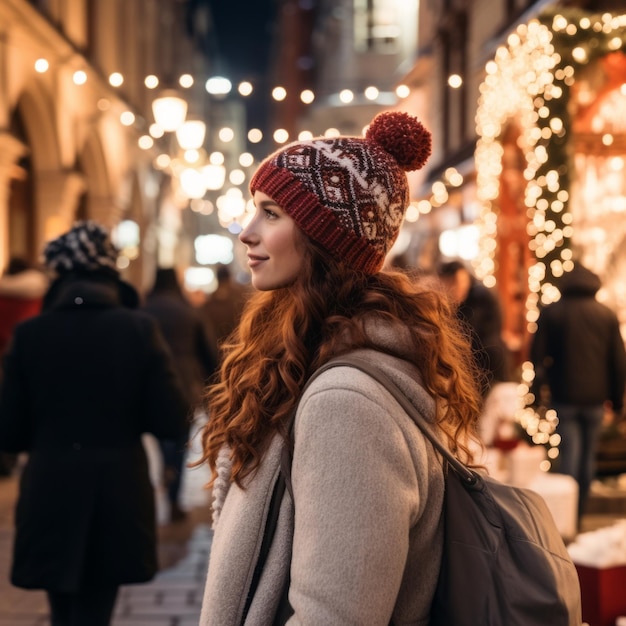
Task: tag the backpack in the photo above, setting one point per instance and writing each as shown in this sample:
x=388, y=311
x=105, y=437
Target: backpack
x=504, y=562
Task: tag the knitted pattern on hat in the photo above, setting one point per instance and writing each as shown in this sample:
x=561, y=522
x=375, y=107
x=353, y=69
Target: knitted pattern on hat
x=349, y=194
x=86, y=247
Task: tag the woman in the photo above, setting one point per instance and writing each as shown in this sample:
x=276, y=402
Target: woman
x=83, y=381
x=361, y=540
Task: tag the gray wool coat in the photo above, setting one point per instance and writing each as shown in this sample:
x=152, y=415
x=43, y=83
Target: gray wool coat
x=363, y=539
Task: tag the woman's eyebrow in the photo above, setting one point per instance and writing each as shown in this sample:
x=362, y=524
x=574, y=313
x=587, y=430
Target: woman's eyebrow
x=264, y=204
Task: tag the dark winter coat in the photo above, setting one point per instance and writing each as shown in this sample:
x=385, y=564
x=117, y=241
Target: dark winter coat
x=578, y=351
x=83, y=381
x=186, y=337
x=482, y=315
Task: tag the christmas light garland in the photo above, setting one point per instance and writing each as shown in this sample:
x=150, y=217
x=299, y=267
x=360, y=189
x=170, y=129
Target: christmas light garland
x=529, y=81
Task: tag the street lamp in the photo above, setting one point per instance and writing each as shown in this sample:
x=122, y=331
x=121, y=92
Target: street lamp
x=169, y=110
x=190, y=134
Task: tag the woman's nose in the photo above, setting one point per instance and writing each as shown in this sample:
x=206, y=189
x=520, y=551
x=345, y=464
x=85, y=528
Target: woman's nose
x=245, y=236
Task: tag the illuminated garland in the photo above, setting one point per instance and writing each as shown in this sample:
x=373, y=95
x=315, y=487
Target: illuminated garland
x=529, y=81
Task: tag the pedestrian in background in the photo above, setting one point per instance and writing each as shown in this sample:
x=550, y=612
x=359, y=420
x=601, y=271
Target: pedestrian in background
x=185, y=335
x=83, y=381
x=22, y=287
x=361, y=540
x=478, y=308
x=222, y=309
x=580, y=371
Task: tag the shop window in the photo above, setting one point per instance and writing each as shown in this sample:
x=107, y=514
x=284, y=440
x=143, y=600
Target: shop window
x=376, y=27
x=598, y=194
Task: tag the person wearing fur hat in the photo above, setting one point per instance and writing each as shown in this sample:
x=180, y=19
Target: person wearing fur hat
x=83, y=380
x=358, y=538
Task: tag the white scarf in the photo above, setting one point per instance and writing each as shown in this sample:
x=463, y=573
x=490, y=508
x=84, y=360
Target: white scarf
x=224, y=466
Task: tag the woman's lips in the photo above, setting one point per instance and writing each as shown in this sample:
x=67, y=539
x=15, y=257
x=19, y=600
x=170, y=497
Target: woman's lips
x=255, y=261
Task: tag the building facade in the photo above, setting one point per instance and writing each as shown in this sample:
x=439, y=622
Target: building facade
x=74, y=106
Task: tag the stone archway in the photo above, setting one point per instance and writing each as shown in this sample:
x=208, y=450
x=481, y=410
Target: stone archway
x=55, y=188
x=12, y=151
x=97, y=201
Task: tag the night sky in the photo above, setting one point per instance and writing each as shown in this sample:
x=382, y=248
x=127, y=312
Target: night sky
x=238, y=42
x=242, y=36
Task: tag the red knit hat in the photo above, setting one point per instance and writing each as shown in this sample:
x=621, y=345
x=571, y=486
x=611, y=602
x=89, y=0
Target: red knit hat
x=349, y=194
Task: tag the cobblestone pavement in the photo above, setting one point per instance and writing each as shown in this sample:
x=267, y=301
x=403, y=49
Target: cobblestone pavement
x=173, y=598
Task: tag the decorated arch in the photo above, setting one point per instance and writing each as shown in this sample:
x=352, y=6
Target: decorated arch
x=551, y=169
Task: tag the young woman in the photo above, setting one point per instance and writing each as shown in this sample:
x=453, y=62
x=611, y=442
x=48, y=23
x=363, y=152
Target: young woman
x=360, y=540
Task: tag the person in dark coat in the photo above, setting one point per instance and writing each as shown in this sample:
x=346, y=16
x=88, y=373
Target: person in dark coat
x=580, y=371
x=185, y=335
x=479, y=310
x=223, y=308
x=83, y=381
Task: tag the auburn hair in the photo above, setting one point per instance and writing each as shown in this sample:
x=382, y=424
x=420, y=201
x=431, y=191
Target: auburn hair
x=285, y=334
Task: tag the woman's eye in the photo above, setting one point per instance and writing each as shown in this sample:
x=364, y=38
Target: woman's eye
x=270, y=214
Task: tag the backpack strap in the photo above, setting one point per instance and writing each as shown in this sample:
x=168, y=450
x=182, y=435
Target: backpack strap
x=268, y=535
x=466, y=475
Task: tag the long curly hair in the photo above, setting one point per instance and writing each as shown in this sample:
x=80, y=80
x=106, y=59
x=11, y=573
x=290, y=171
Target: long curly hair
x=284, y=335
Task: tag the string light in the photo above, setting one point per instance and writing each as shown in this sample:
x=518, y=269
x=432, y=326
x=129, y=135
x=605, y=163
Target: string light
x=79, y=77
x=41, y=66
x=116, y=79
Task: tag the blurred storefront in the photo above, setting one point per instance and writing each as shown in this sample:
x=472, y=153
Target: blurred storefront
x=550, y=161
x=526, y=102
x=528, y=169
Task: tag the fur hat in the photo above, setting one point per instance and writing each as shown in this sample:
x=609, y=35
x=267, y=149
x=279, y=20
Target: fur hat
x=86, y=247
x=349, y=194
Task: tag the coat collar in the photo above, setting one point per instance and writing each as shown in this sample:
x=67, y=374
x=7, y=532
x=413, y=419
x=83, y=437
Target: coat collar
x=87, y=294
x=92, y=290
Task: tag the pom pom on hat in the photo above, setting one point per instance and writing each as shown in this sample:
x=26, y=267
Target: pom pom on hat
x=86, y=247
x=349, y=194
x=403, y=137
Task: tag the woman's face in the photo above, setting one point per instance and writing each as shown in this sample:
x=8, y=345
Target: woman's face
x=275, y=249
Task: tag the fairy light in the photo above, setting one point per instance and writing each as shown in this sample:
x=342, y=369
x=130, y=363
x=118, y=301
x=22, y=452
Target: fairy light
x=281, y=135
x=116, y=79
x=255, y=135
x=403, y=91
x=346, y=96
x=127, y=118
x=42, y=66
x=186, y=81
x=371, y=93
x=279, y=93
x=307, y=96
x=151, y=81
x=145, y=142
x=245, y=88
x=226, y=134
x=79, y=77
x=246, y=159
